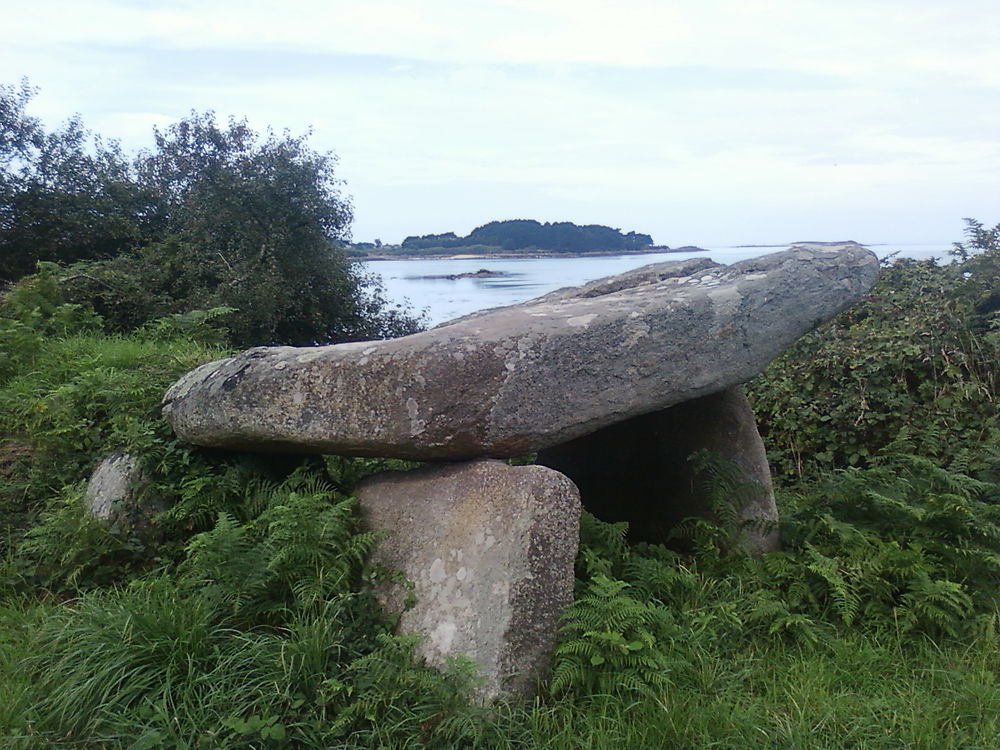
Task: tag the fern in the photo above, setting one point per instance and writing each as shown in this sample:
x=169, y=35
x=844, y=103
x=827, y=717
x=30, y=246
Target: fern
x=727, y=493
x=724, y=487
x=774, y=613
x=603, y=547
x=903, y=542
x=607, y=643
x=935, y=605
x=842, y=591
x=227, y=570
x=303, y=549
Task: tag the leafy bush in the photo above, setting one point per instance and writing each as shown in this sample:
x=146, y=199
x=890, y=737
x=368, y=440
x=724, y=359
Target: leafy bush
x=903, y=546
x=915, y=360
x=213, y=216
x=70, y=395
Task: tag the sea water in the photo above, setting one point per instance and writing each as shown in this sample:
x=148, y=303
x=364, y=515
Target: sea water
x=406, y=282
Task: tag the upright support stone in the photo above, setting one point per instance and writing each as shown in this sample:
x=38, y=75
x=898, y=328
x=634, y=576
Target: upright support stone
x=638, y=470
x=490, y=551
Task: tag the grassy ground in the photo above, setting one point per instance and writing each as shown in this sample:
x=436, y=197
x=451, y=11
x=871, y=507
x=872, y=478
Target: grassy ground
x=858, y=691
x=246, y=620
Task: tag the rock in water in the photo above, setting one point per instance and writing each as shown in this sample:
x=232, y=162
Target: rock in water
x=490, y=551
x=522, y=378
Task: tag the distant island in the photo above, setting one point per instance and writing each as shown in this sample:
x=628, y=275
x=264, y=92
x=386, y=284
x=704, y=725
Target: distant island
x=517, y=238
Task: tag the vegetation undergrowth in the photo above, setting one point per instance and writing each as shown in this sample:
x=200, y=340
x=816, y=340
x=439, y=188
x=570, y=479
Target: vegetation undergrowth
x=916, y=359
x=248, y=620
x=240, y=612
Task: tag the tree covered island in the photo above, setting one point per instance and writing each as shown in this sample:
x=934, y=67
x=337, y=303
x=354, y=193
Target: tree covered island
x=518, y=237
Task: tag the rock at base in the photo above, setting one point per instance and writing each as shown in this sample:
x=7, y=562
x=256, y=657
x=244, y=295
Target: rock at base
x=113, y=494
x=490, y=550
x=638, y=470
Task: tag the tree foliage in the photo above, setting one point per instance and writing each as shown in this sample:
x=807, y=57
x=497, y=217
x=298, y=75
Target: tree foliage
x=212, y=215
x=65, y=195
x=521, y=234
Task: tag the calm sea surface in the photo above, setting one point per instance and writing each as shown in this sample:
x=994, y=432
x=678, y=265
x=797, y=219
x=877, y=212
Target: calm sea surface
x=443, y=299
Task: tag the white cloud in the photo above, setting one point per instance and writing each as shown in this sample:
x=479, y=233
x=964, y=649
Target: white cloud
x=659, y=115
x=818, y=35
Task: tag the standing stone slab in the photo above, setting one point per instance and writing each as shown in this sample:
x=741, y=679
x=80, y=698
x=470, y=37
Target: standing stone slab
x=522, y=378
x=490, y=550
x=638, y=470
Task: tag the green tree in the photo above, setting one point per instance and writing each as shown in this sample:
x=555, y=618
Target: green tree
x=64, y=196
x=19, y=132
x=979, y=256
x=213, y=215
x=256, y=223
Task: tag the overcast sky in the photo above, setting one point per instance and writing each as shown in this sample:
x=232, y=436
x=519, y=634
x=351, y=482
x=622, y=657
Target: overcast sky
x=697, y=121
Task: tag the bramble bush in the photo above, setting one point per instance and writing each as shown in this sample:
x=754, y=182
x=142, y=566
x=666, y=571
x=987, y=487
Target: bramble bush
x=915, y=360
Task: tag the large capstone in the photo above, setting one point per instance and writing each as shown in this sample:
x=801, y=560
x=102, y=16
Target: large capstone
x=641, y=471
x=527, y=377
x=489, y=549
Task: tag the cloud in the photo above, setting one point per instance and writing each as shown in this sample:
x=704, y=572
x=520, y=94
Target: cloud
x=805, y=35
x=651, y=114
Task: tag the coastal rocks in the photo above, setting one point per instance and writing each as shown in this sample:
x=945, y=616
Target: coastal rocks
x=482, y=273
x=638, y=471
x=490, y=550
x=527, y=377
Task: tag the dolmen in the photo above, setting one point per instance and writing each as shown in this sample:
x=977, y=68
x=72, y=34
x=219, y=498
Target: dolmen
x=612, y=385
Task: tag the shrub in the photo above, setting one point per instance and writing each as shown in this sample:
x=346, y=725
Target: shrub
x=214, y=215
x=915, y=360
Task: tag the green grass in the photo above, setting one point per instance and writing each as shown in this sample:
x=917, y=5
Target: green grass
x=19, y=617
x=247, y=621
x=199, y=687
x=875, y=691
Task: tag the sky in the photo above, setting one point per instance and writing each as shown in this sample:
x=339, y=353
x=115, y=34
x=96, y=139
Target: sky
x=705, y=122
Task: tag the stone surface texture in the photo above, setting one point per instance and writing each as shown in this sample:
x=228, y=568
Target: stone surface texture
x=638, y=470
x=518, y=379
x=113, y=493
x=490, y=551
